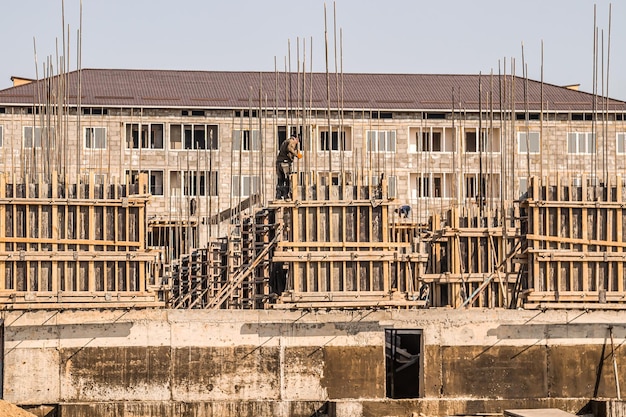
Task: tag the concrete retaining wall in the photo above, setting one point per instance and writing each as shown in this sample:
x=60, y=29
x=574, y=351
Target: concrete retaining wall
x=273, y=363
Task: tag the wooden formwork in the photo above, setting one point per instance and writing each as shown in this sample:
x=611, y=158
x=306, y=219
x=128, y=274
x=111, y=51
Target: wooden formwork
x=471, y=258
x=231, y=272
x=575, y=241
x=73, y=245
x=338, y=250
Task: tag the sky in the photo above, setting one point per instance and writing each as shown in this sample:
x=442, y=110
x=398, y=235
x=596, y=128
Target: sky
x=360, y=36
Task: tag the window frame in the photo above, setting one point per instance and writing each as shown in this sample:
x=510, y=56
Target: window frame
x=619, y=136
x=334, y=141
x=132, y=175
x=389, y=140
x=146, y=142
x=94, y=137
x=428, y=138
x=238, y=184
x=487, y=135
x=188, y=143
x=392, y=184
x=578, y=139
x=522, y=140
x=243, y=137
x=199, y=183
x=35, y=138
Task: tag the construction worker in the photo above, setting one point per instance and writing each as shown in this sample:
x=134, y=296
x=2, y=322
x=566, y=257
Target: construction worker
x=404, y=211
x=288, y=152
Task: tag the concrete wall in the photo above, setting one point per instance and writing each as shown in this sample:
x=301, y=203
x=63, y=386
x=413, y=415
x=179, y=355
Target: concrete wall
x=232, y=363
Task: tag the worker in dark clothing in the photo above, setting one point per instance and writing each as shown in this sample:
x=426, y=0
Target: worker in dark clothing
x=404, y=211
x=288, y=152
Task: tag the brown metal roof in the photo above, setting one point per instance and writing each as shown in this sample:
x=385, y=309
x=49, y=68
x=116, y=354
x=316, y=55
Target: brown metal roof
x=379, y=92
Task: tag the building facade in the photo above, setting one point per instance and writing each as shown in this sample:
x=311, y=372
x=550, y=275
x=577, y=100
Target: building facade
x=208, y=140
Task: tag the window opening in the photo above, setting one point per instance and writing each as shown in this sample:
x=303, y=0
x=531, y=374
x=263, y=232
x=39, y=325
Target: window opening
x=146, y=136
x=95, y=138
x=489, y=141
x=29, y=141
x=245, y=113
x=246, y=185
x=470, y=142
x=581, y=143
x=381, y=140
x=155, y=180
x=528, y=142
x=621, y=142
x=333, y=144
x=199, y=137
x=247, y=141
x=382, y=115
x=431, y=142
x=193, y=113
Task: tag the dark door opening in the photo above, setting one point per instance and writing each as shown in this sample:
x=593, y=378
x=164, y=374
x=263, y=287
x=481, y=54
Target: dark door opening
x=403, y=357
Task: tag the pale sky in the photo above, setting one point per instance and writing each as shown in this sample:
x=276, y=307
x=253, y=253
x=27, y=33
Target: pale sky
x=395, y=36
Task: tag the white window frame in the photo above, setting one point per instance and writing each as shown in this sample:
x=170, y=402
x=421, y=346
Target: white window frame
x=488, y=137
x=1, y=136
x=37, y=137
x=210, y=143
x=488, y=180
x=242, y=137
x=150, y=142
x=620, y=143
x=94, y=139
x=425, y=186
x=427, y=136
x=246, y=185
x=199, y=183
x=383, y=141
x=152, y=185
x=476, y=141
x=527, y=140
x=345, y=138
x=576, y=141
x=392, y=184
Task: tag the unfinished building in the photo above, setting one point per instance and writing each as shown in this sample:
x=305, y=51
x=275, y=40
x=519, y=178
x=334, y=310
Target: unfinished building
x=514, y=187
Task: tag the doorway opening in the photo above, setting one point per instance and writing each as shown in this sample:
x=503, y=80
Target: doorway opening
x=403, y=357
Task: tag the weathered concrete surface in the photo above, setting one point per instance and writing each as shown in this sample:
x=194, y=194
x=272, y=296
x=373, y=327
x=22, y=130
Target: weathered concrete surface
x=449, y=407
x=608, y=408
x=290, y=363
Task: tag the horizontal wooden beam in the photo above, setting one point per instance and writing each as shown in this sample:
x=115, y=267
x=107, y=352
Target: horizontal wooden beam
x=329, y=203
x=577, y=306
x=574, y=256
x=575, y=204
x=575, y=241
x=575, y=296
x=348, y=304
x=51, y=241
x=344, y=245
x=328, y=256
x=72, y=202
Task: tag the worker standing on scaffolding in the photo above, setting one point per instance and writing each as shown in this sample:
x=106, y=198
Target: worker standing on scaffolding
x=288, y=152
